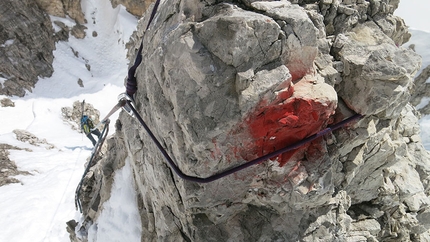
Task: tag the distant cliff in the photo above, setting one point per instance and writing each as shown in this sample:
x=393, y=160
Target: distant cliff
x=27, y=38
x=26, y=45
x=222, y=83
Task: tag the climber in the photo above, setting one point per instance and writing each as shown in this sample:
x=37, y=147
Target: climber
x=88, y=127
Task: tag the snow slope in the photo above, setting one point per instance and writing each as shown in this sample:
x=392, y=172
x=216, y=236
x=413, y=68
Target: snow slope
x=38, y=208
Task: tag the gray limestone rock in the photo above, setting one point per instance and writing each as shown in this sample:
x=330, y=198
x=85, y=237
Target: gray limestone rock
x=25, y=136
x=222, y=84
x=377, y=74
x=8, y=168
x=6, y=102
x=421, y=89
x=26, y=46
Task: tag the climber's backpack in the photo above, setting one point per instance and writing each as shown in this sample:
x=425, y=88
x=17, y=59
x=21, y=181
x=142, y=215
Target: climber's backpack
x=86, y=124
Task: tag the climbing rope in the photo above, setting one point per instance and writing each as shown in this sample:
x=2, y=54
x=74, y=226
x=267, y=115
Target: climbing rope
x=91, y=162
x=122, y=101
x=131, y=88
x=247, y=164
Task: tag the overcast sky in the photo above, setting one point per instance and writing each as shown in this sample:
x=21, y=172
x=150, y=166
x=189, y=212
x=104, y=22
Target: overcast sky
x=415, y=13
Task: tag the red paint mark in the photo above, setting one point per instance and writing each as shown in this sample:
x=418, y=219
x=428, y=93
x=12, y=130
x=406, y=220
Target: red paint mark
x=284, y=123
x=276, y=124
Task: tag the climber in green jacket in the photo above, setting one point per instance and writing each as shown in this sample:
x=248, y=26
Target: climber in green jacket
x=88, y=128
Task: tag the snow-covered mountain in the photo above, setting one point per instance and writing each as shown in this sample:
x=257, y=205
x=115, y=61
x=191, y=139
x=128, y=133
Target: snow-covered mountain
x=38, y=208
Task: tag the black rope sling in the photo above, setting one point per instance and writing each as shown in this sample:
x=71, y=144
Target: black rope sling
x=126, y=101
x=91, y=162
x=131, y=86
x=245, y=165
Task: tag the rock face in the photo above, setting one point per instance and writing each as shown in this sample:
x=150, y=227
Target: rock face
x=135, y=7
x=222, y=84
x=8, y=168
x=26, y=45
x=27, y=38
x=61, y=8
x=6, y=102
x=421, y=89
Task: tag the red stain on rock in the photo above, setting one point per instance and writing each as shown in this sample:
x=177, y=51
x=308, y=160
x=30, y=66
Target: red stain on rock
x=284, y=123
x=275, y=124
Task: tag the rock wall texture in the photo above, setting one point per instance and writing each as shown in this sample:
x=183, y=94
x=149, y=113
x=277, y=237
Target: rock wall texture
x=27, y=38
x=26, y=45
x=421, y=89
x=135, y=7
x=63, y=8
x=8, y=168
x=223, y=83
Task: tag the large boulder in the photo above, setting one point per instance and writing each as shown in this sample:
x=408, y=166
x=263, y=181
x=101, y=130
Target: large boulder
x=377, y=75
x=63, y=8
x=222, y=84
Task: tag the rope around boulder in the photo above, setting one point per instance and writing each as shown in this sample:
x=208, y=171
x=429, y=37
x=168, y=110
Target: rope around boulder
x=131, y=88
x=126, y=102
x=245, y=165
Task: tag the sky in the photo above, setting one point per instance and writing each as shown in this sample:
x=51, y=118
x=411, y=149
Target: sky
x=44, y=201
x=415, y=13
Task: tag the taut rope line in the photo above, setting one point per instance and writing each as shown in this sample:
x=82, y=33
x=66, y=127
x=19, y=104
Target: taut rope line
x=126, y=101
x=247, y=164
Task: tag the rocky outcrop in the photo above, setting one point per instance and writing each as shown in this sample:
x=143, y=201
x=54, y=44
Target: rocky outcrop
x=135, y=7
x=421, y=89
x=73, y=115
x=8, y=168
x=6, y=102
x=26, y=46
x=223, y=83
x=63, y=8
x=377, y=75
x=27, y=137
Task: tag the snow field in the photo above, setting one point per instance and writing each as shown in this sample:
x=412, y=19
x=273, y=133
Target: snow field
x=38, y=208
